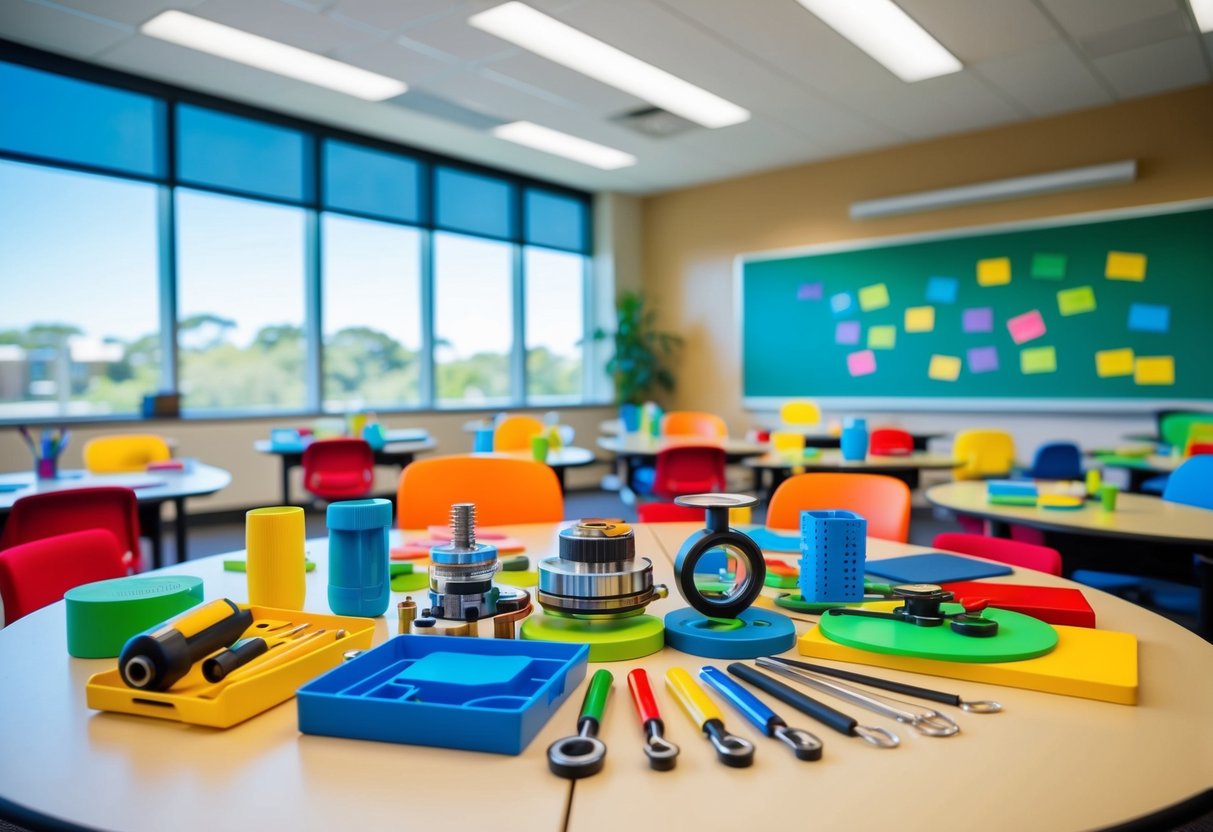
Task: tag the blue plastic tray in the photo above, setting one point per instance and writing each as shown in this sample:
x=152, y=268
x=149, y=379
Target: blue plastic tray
x=450, y=692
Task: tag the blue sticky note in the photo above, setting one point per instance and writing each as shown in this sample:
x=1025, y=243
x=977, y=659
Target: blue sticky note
x=841, y=302
x=1149, y=317
x=942, y=289
x=933, y=568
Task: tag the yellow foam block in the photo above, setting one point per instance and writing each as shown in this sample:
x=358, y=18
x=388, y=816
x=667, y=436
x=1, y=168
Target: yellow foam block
x=1091, y=664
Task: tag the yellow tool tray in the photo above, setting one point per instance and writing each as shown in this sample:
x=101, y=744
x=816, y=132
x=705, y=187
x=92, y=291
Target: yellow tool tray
x=194, y=700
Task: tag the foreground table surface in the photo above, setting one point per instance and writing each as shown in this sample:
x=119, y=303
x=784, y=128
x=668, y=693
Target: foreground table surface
x=1048, y=762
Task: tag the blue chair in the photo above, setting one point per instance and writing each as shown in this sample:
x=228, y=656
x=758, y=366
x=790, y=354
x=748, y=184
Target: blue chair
x=1192, y=485
x=1056, y=461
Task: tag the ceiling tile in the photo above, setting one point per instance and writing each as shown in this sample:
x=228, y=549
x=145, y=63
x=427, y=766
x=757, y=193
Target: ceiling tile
x=131, y=12
x=582, y=92
x=394, y=14
x=1084, y=18
x=59, y=30
x=1155, y=68
x=1046, y=79
x=395, y=61
x=947, y=104
x=453, y=36
x=976, y=30
x=285, y=23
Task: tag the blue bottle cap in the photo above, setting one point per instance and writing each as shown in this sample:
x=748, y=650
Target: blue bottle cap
x=359, y=515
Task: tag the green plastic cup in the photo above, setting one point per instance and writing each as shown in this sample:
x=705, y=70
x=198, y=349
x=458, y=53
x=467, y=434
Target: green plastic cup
x=1107, y=497
x=539, y=448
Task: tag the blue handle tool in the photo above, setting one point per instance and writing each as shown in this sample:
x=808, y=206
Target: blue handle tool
x=803, y=744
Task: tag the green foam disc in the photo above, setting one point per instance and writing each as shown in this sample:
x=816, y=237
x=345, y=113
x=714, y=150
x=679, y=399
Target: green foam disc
x=101, y=616
x=1019, y=636
x=410, y=582
x=518, y=579
x=610, y=640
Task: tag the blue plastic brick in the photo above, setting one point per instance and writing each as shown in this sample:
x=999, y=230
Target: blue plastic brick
x=449, y=692
x=1011, y=488
x=833, y=551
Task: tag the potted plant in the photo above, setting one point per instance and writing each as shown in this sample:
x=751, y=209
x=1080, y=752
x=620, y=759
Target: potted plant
x=639, y=366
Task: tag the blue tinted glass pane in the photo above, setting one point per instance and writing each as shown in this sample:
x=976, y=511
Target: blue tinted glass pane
x=473, y=203
x=241, y=154
x=371, y=182
x=61, y=118
x=555, y=221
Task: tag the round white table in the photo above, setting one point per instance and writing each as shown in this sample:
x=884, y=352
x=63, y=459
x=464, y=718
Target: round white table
x=399, y=453
x=775, y=466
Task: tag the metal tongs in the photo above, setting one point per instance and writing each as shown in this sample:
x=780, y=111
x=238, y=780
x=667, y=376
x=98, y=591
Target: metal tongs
x=926, y=721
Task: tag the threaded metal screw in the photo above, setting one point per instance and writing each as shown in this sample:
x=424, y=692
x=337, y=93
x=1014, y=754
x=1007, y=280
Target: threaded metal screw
x=463, y=526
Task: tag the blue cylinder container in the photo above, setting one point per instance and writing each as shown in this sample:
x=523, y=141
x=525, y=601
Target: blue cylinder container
x=358, y=557
x=854, y=440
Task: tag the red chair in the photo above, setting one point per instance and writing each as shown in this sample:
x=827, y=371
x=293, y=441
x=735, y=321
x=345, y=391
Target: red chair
x=339, y=469
x=668, y=513
x=54, y=513
x=35, y=574
x=688, y=469
x=890, y=442
x=1010, y=552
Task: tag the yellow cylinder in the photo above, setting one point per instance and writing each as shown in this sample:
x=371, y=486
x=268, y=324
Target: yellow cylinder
x=276, y=563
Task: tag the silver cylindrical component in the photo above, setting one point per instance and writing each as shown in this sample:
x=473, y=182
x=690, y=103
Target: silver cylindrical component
x=597, y=573
x=461, y=572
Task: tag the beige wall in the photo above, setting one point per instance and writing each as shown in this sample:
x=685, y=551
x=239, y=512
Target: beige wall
x=692, y=236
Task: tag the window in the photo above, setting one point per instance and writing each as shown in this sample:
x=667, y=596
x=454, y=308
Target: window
x=473, y=320
x=556, y=221
x=366, y=181
x=473, y=203
x=372, y=314
x=79, y=321
x=240, y=154
x=555, y=325
x=240, y=278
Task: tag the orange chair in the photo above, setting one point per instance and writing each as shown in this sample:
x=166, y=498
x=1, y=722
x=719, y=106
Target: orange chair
x=688, y=469
x=883, y=501
x=35, y=574
x=53, y=513
x=504, y=490
x=694, y=423
x=339, y=469
x=890, y=442
x=1010, y=552
x=667, y=513
x=514, y=433
x=124, y=453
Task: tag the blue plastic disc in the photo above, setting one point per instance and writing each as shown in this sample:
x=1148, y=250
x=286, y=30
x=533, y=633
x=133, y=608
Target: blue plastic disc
x=763, y=633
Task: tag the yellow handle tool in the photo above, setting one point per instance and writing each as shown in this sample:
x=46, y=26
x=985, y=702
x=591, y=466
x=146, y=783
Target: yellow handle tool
x=732, y=751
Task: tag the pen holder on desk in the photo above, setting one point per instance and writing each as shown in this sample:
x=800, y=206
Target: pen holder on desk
x=482, y=443
x=46, y=468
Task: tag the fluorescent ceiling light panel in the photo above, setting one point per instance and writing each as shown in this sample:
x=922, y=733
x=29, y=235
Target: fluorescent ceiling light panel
x=562, y=144
x=236, y=45
x=884, y=31
x=549, y=38
x=1203, y=11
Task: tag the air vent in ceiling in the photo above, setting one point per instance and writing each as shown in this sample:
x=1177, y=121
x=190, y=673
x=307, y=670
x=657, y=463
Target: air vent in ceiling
x=444, y=108
x=655, y=122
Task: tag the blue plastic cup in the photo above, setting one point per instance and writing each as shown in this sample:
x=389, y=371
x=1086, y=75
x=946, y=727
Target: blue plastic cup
x=483, y=441
x=629, y=414
x=359, y=583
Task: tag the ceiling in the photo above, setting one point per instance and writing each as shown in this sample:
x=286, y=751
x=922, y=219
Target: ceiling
x=812, y=94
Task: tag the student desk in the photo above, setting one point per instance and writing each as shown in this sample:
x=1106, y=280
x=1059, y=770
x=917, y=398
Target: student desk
x=1175, y=529
x=905, y=467
x=398, y=453
x=152, y=490
x=1049, y=761
x=1141, y=468
x=569, y=456
x=634, y=449
x=815, y=438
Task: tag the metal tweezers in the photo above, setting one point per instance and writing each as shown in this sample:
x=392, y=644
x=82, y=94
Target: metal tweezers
x=923, y=720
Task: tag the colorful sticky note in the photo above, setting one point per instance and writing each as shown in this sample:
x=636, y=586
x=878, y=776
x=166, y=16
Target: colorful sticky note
x=1076, y=301
x=846, y=332
x=1027, y=326
x=978, y=319
x=1049, y=266
x=862, y=363
x=873, y=297
x=995, y=271
x=840, y=302
x=1123, y=265
x=809, y=291
x=983, y=359
x=944, y=368
x=1112, y=363
x=1038, y=360
x=1149, y=317
x=882, y=337
x=1154, y=369
x=942, y=289
x=920, y=319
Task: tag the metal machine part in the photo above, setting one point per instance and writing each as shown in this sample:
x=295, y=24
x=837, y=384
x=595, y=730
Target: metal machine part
x=748, y=574
x=597, y=573
x=922, y=607
x=461, y=572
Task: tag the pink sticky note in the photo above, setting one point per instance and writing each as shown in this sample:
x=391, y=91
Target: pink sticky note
x=809, y=291
x=1027, y=326
x=846, y=332
x=978, y=319
x=862, y=363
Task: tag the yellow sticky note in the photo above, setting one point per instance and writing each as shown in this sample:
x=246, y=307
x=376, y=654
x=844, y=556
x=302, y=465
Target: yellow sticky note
x=995, y=271
x=873, y=297
x=1154, y=369
x=1123, y=265
x=944, y=367
x=882, y=337
x=1076, y=301
x=920, y=319
x=1112, y=363
x=1038, y=360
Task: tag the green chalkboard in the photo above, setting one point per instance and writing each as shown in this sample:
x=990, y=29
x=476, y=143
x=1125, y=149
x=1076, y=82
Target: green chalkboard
x=800, y=339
